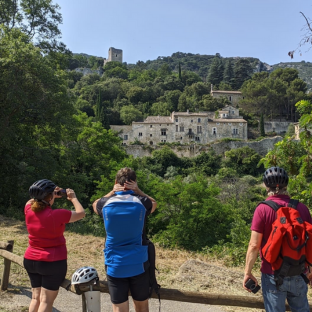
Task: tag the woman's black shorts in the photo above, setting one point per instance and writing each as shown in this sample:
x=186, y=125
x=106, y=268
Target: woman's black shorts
x=49, y=275
x=119, y=287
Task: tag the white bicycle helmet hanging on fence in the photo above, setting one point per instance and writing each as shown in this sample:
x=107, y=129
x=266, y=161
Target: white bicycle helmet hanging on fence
x=84, y=275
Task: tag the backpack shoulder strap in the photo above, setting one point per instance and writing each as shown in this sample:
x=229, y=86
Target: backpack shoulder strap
x=271, y=204
x=293, y=203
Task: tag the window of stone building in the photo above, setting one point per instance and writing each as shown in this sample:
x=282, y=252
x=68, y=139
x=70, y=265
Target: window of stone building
x=233, y=113
x=151, y=135
x=126, y=137
x=151, y=126
x=214, y=131
x=163, y=131
x=190, y=131
x=140, y=133
x=181, y=129
x=177, y=128
x=196, y=138
x=230, y=124
x=230, y=98
x=198, y=120
x=151, y=142
x=191, y=120
x=181, y=138
x=199, y=129
x=218, y=123
x=177, y=120
x=240, y=124
x=235, y=131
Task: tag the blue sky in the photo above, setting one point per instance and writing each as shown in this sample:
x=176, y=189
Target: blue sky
x=145, y=29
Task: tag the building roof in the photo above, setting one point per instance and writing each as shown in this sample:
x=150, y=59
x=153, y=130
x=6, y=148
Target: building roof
x=156, y=119
x=119, y=128
x=226, y=92
x=204, y=114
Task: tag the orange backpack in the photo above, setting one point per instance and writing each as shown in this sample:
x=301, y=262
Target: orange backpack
x=289, y=246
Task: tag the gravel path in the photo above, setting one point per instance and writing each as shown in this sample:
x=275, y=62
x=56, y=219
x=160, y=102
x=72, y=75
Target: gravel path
x=17, y=300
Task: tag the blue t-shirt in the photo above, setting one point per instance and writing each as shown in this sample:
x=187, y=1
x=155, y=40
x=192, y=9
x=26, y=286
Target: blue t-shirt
x=124, y=216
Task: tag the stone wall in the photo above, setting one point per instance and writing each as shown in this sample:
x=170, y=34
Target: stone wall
x=261, y=147
x=278, y=127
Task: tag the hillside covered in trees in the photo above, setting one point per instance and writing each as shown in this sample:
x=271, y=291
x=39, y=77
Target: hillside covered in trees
x=122, y=95
x=199, y=64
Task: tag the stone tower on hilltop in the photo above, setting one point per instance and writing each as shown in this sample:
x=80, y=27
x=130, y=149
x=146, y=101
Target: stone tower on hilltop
x=113, y=55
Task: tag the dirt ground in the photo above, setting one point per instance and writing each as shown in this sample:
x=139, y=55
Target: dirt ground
x=177, y=270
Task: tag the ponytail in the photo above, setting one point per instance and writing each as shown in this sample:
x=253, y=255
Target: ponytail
x=39, y=205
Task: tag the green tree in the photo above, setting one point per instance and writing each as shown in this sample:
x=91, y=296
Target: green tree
x=242, y=72
x=228, y=72
x=215, y=75
x=129, y=113
x=34, y=104
x=38, y=19
x=244, y=160
x=206, y=163
x=180, y=73
x=101, y=113
x=189, y=215
x=262, y=132
x=161, y=160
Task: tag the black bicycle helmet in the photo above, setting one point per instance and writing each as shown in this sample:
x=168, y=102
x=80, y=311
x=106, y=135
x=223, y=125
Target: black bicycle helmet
x=40, y=189
x=275, y=177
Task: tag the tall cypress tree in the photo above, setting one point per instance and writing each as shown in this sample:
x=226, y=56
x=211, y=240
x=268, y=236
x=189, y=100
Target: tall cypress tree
x=242, y=72
x=180, y=74
x=228, y=72
x=215, y=74
x=104, y=118
x=101, y=113
x=262, y=132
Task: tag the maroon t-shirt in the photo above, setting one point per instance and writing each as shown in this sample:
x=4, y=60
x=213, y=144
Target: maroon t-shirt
x=262, y=221
x=46, y=239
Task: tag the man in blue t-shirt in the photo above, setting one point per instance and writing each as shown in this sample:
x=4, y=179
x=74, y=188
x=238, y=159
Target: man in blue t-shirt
x=124, y=211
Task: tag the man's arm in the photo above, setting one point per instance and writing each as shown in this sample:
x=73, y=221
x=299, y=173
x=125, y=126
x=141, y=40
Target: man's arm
x=94, y=206
x=133, y=185
x=117, y=188
x=154, y=203
x=251, y=256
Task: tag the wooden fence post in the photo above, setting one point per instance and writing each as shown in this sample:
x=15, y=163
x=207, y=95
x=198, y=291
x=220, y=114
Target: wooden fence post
x=6, y=269
x=84, y=303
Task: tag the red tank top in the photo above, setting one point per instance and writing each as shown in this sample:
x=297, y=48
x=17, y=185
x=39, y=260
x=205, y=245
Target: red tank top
x=46, y=239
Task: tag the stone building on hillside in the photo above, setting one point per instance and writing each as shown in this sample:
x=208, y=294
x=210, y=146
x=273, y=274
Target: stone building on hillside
x=113, y=55
x=233, y=96
x=186, y=127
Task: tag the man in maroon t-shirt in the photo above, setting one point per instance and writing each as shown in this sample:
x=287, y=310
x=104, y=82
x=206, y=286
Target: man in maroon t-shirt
x=294, y=288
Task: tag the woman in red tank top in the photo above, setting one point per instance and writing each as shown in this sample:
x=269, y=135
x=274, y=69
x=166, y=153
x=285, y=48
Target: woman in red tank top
x=45, y=259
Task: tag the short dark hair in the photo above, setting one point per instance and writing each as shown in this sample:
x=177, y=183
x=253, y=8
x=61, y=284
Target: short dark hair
x=125, y=174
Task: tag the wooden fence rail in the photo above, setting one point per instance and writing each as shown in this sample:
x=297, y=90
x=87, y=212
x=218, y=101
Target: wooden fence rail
x=165, y=293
